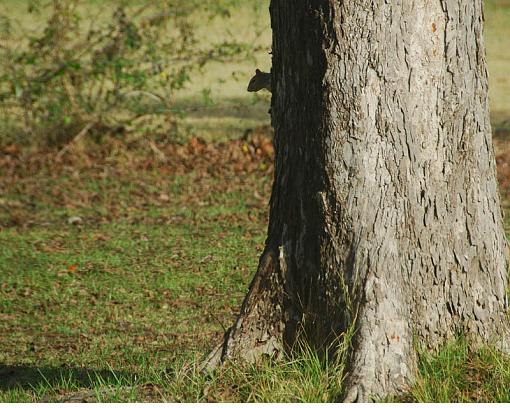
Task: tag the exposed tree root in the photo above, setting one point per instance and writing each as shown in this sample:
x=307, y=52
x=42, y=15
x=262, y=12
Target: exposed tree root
x=260, y=326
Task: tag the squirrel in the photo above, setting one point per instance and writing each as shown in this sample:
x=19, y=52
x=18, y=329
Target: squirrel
x=259, y=81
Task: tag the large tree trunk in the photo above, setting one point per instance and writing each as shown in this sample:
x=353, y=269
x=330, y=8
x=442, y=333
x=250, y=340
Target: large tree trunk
x=384, y=212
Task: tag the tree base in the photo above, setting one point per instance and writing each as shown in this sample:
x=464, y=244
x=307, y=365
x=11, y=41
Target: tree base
x=260, y=327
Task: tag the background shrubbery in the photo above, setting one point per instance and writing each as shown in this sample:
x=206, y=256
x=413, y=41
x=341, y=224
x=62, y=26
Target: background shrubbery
x=92, y=68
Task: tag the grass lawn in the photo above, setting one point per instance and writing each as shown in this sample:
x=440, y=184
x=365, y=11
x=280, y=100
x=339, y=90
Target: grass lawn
x=122, y=264
x=149, y=275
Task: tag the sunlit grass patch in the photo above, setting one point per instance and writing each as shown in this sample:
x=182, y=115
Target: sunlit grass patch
x=303, y=376
x=457, y=374
x=125, y=288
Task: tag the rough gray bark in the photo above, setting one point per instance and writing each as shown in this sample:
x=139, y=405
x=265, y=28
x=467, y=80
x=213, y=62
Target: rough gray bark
x=385, y=210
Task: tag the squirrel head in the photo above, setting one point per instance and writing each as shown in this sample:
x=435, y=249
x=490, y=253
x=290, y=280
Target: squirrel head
x=260, y=80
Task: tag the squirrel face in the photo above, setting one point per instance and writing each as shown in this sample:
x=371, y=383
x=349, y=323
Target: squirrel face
x=259, y=81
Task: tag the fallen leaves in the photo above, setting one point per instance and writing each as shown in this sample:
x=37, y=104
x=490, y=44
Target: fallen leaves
x=88, y=184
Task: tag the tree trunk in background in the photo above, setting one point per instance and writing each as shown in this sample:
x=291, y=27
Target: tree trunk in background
x=384, y=212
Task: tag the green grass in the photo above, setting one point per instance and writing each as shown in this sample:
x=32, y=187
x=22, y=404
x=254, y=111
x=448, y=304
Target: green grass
x=457, y=374
x=124, y=290
x=304, y=378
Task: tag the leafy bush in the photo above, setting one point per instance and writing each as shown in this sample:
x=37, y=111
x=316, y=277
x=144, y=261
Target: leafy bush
x=79, y=76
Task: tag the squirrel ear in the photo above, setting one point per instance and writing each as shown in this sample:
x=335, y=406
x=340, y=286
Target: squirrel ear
x=257, y=71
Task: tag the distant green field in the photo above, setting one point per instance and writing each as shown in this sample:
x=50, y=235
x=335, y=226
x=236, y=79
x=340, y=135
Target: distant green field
x=497, y=33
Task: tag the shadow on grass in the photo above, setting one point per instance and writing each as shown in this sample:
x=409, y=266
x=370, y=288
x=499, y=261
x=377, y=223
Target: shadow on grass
x=29, y=378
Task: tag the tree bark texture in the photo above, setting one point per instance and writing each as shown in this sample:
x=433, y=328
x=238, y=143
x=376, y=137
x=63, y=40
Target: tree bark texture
x=385, y=211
